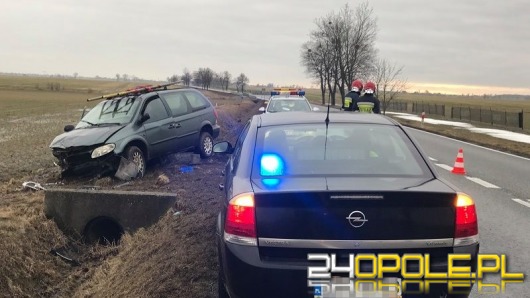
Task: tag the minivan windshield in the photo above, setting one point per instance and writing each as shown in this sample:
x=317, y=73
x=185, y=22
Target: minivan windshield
x=111, y=112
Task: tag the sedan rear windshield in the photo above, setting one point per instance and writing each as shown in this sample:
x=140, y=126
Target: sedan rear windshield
x=288, y=105
x=111, y=112
x=341, y=149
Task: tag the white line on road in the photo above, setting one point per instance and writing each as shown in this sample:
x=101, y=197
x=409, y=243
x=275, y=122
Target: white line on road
x=482, y=182
x=445, y=167
x=433, y=159
x=474, y=179
x=522, y=202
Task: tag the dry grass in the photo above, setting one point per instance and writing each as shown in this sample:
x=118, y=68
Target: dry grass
x=177, y=257
x=26, y=237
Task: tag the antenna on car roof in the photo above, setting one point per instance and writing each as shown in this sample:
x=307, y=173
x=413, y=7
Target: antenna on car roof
x=327, y=124
x=136, y=90
x=327, y=118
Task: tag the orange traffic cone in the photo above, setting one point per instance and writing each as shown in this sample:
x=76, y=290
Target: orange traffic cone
x=459, y=163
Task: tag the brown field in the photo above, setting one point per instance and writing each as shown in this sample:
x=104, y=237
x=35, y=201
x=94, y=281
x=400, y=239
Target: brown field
x=80, y=85
x=176, y=257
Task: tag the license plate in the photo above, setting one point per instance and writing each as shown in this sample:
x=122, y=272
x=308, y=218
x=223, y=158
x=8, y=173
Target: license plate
x=340, y=287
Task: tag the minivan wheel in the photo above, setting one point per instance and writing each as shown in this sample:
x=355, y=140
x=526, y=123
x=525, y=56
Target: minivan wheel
x=206, y=145
x=136, y=155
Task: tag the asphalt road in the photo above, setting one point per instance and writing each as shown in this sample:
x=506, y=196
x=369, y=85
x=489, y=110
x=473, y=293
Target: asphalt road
x=500, y=185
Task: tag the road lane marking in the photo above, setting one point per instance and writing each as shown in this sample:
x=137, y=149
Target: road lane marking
x=482, y=182
x=433, y=159
x=474, y=179
x=522, y=202
x=445, y=167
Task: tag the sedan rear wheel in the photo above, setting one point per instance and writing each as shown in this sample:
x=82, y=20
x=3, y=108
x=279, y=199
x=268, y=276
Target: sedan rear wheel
x=136, y=155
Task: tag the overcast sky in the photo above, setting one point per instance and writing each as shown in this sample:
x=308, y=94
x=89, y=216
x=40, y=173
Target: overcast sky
x=480, y=43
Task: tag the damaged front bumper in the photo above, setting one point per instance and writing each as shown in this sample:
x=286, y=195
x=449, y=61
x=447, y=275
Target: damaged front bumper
x=78, y=161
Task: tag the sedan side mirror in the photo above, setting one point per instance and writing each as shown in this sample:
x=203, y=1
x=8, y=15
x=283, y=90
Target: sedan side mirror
x=223, y=147
x=262, y=109
x=69, y=127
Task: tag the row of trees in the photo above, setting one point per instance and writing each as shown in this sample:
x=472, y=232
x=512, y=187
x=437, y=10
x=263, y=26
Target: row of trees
x=342, y=48
x=207, y=78
x=123, y=77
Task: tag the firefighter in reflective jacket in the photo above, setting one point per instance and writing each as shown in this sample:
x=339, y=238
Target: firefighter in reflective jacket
x=368, y=103
x=353, y=95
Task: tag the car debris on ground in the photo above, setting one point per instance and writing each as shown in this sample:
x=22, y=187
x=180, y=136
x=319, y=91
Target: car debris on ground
x=127, y=170
x=32, y=185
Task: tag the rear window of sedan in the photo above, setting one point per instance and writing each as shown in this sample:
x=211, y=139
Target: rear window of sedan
x=288, y=105
x=341, y=149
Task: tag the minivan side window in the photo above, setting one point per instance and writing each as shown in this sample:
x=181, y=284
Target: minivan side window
x=196, y=100
x=176, y=102
x=156, y=109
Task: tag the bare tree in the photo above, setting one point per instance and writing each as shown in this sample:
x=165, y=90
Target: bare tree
x=125, y=77
x=225, y=79
x=326, y=46
x=241, y=82
x=186, y=77
x=341, y=49
x=204, y=77
x=313, y=60
x=173, y=79
x=388, y=81
x=118, y=77
x=360, y=52
x=75, y=75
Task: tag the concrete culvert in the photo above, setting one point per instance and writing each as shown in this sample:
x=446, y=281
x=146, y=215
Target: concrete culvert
x=104, y=215
x=103, y=230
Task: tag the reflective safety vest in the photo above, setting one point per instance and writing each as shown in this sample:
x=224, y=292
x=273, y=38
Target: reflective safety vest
x=365, y=107
x=347, y=102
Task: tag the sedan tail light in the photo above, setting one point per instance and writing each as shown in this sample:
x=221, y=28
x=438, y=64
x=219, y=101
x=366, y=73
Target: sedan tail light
x=466, y=223
x=240, y=225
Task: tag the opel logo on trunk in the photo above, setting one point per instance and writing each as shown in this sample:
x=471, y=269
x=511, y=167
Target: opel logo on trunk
x=357, y=219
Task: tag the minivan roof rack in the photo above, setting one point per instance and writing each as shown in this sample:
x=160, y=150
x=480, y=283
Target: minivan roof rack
x=136, y=90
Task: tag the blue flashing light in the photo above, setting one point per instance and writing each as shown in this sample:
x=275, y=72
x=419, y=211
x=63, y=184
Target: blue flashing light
x=271, y=165
x=271, y=182
x=301, y=93
x=275, y=93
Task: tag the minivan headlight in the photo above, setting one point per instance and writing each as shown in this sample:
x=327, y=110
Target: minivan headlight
x=105, y=149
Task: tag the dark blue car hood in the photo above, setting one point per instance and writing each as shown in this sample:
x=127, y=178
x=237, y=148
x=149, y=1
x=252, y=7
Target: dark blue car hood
x=85, y=136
